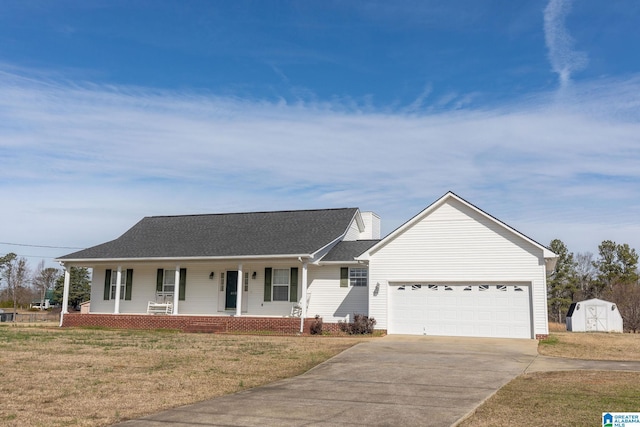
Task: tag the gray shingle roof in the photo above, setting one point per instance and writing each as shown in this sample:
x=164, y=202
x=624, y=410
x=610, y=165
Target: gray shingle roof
x=347, y=251
x=225, y=235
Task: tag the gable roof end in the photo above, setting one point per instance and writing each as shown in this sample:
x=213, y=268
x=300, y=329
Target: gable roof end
x=548, y=255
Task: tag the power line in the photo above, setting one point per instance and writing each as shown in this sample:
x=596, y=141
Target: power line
x=38, y=246
x=36, y=256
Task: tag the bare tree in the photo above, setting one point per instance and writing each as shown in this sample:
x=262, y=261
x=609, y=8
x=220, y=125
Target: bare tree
x=15, y=273
x=585, y=274
x=627, y=298
x=43, y=280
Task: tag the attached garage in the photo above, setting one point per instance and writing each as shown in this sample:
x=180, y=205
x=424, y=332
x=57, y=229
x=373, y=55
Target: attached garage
x=455, y=270
x=476, y=310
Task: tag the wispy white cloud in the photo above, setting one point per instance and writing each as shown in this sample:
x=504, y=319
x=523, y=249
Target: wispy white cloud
x=565, y=60
x=80, y=163
x=418, y=103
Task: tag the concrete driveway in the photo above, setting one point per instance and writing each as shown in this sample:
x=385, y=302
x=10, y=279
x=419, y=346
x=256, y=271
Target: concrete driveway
x=396, y=380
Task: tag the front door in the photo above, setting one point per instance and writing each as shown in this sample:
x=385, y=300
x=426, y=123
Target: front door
x=232, y=290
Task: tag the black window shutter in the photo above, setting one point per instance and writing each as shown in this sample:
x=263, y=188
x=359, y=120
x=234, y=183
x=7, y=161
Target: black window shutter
x=267, y=284
x=293, y=285
x=344, y=277
x=129, y=283
x=159, y=279
x=183, y=284
x=107, y=284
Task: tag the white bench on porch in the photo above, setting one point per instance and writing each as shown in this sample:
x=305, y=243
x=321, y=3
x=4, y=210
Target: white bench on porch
x=159, y=307
x=162, y=305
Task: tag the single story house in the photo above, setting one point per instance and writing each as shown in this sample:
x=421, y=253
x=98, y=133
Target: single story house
x=452, y=269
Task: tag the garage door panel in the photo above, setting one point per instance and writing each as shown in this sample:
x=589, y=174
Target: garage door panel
x=460, y=310
x=484, y=316
x=483, y=331
x=450, y=315
x=502, y=316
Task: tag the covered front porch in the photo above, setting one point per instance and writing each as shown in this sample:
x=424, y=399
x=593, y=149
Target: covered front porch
x=192, y=290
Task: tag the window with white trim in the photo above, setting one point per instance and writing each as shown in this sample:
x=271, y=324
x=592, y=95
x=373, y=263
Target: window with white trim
x=280, y=284
x=358, y=276
x=169, y=281
x=114, y=284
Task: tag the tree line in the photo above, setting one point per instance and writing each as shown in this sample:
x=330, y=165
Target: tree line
x=612, y=275
x=20, y=285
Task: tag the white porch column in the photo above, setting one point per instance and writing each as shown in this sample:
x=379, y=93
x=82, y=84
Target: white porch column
x=65, y=293
x=116, y=308
x=304, y=289
x=303, y=315
x=239, y=289
x=176, y=290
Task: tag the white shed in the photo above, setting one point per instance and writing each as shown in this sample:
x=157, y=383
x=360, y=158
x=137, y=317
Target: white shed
x=594, y=315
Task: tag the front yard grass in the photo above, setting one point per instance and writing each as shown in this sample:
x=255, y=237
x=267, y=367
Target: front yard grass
x=96, y=377
x=592, y=346
x=572, y=397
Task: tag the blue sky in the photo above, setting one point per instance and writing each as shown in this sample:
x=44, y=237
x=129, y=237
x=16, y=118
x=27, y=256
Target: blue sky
x=115, y=110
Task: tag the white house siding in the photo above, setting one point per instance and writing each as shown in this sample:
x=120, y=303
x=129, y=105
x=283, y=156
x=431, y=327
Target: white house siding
x=257, y=305
x=98, y=304
x=454, y=243
x=329, y=300
x=354, y=231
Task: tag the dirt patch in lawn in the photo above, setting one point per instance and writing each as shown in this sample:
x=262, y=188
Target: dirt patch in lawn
x=560, y=398
x=86, y=377
x=591, y=345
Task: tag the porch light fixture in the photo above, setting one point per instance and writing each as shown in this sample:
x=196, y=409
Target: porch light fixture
x=211, y=275
x=253, y=276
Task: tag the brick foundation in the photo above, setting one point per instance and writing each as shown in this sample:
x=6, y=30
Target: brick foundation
x=331, y=328
x=206, y=324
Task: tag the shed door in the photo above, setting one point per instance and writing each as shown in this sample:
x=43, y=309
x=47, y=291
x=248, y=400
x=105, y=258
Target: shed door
x=596, y=318
x=474, y=310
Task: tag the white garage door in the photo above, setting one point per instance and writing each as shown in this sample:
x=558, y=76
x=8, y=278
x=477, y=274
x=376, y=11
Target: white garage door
x=473, y=310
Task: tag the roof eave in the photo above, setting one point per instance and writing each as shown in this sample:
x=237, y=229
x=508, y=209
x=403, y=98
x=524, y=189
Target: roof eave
x=198, y=258
x=353, y=261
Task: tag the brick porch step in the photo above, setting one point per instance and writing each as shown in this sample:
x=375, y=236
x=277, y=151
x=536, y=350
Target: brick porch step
x=209, y=327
